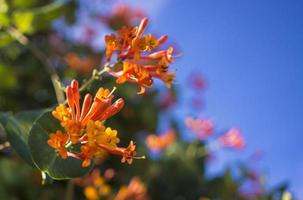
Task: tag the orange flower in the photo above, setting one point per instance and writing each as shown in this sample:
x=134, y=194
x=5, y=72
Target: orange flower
x=95, y=185
x=84, y=126
x=134, y=73
x=82, y=65
x=127, y=153
x=136, y=190
x=112, y=43
x=140, y=62
x=232, y=139
x=158, y=143
x=87, y=154
x=58, y=141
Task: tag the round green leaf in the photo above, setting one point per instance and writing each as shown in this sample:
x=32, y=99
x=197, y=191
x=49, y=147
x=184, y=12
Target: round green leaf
x=17, y=135
x=45, y=157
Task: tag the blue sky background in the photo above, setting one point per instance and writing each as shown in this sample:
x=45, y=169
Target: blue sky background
x=252, y=55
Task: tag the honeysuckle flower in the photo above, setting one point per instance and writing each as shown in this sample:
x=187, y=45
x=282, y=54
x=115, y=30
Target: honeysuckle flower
x=122, y=14
x=136, y=190
x=202, y=128
x=81, y=64
x=157, y=143
x=197, y=81
x=127, y=154
x=167, y=100
x=140, y=62
x=95, y=185
x=232, y=139
x=57, y=141
x=133, y=73
x=142, y=75
x=84, y=126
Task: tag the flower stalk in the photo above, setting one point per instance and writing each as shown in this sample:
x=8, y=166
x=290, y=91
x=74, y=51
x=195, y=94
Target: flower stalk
x=22, y=39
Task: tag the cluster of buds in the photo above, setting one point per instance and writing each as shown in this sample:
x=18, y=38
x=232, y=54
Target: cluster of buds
x=157, y=143
x=137, y=58
x=84, y=126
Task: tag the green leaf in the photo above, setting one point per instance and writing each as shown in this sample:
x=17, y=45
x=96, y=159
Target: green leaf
x=45, y=157
x=17, y=135
x=31, y=20
x=7, y=76
x=27, y=118
x=5, y=38
x=4, y=19
x=3, y=6
x=24, y=21
x=24, y=4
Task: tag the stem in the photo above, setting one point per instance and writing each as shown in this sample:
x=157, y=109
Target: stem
x=22, y=39
x=95, y=75
x=69, y=190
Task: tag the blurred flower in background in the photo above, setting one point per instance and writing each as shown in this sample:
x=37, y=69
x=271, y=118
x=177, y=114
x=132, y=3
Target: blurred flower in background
x=61, y=52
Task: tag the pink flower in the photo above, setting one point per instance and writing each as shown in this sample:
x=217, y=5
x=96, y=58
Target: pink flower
x=232, y=139
x=167, y=100
x=197, y=81
x=202, y=128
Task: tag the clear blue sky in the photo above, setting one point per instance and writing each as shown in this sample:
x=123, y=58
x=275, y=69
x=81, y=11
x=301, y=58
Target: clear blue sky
x=251, y=52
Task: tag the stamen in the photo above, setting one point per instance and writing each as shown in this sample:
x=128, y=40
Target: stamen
x=139, y=157
x=113, y=90
x=69, y=154
x=178, y=55
x=68, y=144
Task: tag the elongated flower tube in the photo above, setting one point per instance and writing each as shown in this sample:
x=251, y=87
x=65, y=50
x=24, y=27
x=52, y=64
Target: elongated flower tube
x=84, y=126
x=140, y=60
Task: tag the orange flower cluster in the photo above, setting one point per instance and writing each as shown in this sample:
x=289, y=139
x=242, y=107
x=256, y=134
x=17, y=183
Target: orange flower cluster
x=232, y=139
x=95, y=185
x=140, y=62
x=82, y=65
x=135, y=190
x=84, y=126
x=158, y=143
